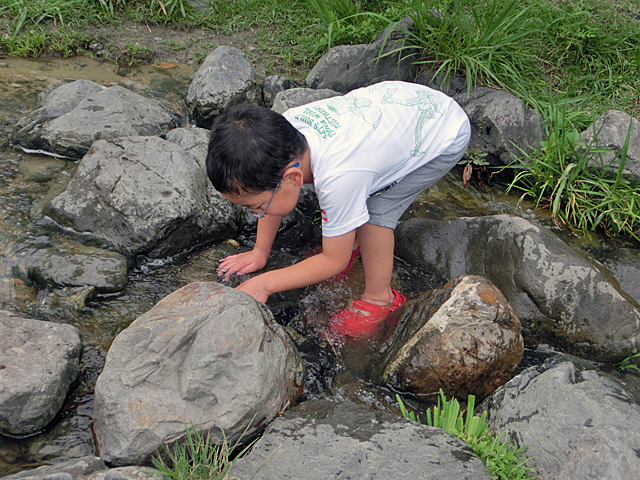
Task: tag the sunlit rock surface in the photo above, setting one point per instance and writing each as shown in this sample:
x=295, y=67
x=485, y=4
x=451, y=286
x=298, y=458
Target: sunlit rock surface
x=322, y=439
x=205, y=354
x=578, y=422
x=143, y=195
x=74, y=115
x=38, y=362
x=561, y=298
x=463, y=338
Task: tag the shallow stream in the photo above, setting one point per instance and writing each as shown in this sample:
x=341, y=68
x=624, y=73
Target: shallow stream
x=24, y=179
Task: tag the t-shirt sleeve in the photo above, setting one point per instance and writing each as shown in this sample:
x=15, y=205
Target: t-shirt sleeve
x=343, y=202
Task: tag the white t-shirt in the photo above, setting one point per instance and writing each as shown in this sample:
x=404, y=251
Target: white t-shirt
x=370, y=138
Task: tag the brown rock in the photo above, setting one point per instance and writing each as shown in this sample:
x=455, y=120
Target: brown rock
x=464, y=338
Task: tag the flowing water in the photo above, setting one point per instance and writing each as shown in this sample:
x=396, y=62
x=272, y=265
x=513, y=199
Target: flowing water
x=25, y=179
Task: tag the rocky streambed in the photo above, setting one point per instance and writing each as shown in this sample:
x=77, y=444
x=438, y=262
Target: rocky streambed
x=112, y=246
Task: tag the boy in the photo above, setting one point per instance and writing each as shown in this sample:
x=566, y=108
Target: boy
x=367, y=154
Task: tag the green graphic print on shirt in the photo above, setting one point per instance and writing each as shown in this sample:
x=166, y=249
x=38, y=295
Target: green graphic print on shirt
x=326, y=124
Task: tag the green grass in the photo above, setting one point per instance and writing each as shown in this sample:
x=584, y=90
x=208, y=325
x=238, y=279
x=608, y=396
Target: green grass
x=571, y=179
x=198, y=457
x=504, y=460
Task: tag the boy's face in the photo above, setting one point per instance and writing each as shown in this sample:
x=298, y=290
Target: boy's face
x=272, y=202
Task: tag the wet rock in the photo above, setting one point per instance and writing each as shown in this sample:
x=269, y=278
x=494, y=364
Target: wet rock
x=41, y=169
x=143, y=195
x=75, y=115
x=225, y=79
x=272, y=85
x=295, y=97
x=38, y=362
x=579, y=423
x=72, y=298
x=625, y=265
x=61, y=263
x=322, y=439
x=611, y=132
x=75, y=469
x=500, y=124
x=205, y=354
x=560, y=297
x=463, y=338
x=347, y=67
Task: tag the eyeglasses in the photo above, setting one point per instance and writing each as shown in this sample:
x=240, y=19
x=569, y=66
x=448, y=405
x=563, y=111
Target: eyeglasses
x=264, y=212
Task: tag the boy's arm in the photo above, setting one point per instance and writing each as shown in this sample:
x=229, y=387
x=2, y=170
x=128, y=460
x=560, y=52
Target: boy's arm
x=336, y=252
x=255, y=259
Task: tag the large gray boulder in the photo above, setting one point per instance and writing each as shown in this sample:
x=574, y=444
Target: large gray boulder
x=610, y=131
x=75, y=115
x=225, y=79
x=143, y=195
x=295, y=97
x=578, y=422
x=39, y=362
x=562, y=299
x=205, y=354
x=60, y=263
x=347, y=67
x=321, y=439
x=501, y=124
x=463, y=338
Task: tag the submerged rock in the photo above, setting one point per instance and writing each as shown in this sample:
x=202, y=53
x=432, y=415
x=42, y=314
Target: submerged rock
x=579, y=423
x=225, y=79
x=38, y=362
x=463, y=338
x=61, y=263
x=560, y=297
x=74, y=115
x=205, y=354
x=321, y=439
x=143, y=195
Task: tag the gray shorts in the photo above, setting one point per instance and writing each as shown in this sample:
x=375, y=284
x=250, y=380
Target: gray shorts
x=387, y=206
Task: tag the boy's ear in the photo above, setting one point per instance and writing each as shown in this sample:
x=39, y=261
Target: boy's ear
x=295, y=175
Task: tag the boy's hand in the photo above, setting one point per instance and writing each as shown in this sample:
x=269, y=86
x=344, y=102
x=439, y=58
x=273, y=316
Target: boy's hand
x=255, y=287
x=241, y=263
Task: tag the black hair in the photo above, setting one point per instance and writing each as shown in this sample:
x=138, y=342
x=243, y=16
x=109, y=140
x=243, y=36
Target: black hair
x=249, y=147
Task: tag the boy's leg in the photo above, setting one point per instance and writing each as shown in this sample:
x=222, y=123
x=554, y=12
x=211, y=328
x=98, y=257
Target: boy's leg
x=376, y=249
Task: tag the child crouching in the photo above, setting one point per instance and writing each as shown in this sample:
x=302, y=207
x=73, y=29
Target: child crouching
x=367, y=155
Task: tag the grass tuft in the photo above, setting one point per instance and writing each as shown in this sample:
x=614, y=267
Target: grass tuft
x=199, y=457
x=504, y=460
